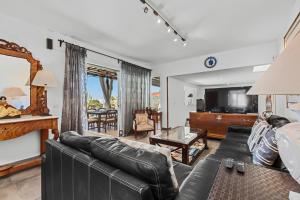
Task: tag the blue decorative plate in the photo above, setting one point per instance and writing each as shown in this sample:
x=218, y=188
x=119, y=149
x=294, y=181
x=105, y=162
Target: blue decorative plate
x=210, y=62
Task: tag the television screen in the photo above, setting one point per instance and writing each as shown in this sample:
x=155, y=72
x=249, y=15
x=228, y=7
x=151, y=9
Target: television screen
x=230, y=100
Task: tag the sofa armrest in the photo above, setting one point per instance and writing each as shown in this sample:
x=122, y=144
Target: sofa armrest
x=240, y=129
x=199, y=182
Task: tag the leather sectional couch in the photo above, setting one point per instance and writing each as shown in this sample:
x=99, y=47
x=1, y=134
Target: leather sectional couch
x=73, y=173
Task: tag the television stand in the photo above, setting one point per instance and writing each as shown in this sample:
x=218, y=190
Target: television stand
x=218, y=123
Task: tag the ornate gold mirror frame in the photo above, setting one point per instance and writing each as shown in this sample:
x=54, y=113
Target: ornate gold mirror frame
x=36, y=93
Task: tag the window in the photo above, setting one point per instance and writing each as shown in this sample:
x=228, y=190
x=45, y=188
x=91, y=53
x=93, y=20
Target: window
x=155, y=93
x=95, y=96
x=237, y=98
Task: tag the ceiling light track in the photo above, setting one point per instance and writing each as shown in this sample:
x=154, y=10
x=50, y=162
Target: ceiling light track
x=161, y=19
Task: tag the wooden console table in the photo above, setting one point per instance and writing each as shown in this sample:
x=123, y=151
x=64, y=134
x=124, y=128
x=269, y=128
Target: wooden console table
x=218, y=123
x=13, y=128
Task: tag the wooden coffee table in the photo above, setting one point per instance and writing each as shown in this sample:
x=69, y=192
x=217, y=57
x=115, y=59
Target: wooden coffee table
x=181, y=138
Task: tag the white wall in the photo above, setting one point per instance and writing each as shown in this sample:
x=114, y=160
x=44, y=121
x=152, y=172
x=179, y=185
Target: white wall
x=248, y=56
x=34, y=39
x=179, y=112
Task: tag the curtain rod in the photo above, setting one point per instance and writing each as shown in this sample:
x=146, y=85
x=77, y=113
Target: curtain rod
x=103, y=54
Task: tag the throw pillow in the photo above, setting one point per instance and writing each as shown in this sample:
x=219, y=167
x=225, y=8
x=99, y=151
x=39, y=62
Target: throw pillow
x=256, y=134
x=255, y=128
x=266, y=152
x=154, y=148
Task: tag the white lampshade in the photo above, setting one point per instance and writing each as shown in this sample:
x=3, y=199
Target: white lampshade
x=44, y=78
x=13, y=92
x=283, y=76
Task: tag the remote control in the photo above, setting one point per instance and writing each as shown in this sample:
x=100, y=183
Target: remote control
x=229, y=162
x=240, y=167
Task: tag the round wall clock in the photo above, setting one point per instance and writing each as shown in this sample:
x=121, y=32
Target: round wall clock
x=210, y=62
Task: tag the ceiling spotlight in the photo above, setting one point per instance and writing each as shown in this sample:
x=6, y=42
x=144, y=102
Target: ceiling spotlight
x=158, y=20
x=184, y=44
x=175, y=39
x=169, y=30
x=146, y=9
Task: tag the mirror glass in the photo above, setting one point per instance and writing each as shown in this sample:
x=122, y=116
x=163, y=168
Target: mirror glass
x=14, y=75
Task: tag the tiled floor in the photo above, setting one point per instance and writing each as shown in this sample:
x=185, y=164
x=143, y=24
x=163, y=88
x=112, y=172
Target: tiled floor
x=26, y=185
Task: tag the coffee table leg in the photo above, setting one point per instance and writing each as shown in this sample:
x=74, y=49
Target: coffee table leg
x=185, y=155
x=205, y=142
x=151, y=141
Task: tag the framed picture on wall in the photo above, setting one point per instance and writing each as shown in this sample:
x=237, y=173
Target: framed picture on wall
x=292, y=99
x=289, y=36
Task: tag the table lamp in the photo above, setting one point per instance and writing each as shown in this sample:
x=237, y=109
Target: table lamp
x=13, y=93
x=282, y=77
x=44, y=78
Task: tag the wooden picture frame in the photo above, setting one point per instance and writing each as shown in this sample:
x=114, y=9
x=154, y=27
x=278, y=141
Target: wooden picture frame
x=37, y=100
x=292, y=32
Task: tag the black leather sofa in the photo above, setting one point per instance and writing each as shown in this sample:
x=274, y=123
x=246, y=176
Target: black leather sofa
x=69, y=173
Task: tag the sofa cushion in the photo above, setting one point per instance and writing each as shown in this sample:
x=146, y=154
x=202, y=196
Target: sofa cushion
x=240, y=129
x=199, y=182
x=73, y=139
x=230, y=145
x=237, y=137
x=223, y=154
x=266, y=152
x=155, y=148
x=181, y=171
x=151, y=167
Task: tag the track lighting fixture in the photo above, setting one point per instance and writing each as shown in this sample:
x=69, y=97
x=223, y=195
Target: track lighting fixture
x=161, y=19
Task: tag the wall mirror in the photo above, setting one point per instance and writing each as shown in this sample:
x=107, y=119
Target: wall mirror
x=13, y=79
x=18, y=68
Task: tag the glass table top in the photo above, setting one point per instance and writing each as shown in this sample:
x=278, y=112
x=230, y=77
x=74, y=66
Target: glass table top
x=179, y=134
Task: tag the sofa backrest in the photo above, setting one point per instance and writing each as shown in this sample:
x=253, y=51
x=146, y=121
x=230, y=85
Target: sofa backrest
x=71, y=174
x=152, y=167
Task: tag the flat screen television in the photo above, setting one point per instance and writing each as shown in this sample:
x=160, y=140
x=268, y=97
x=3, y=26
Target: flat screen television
x=230, y=100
